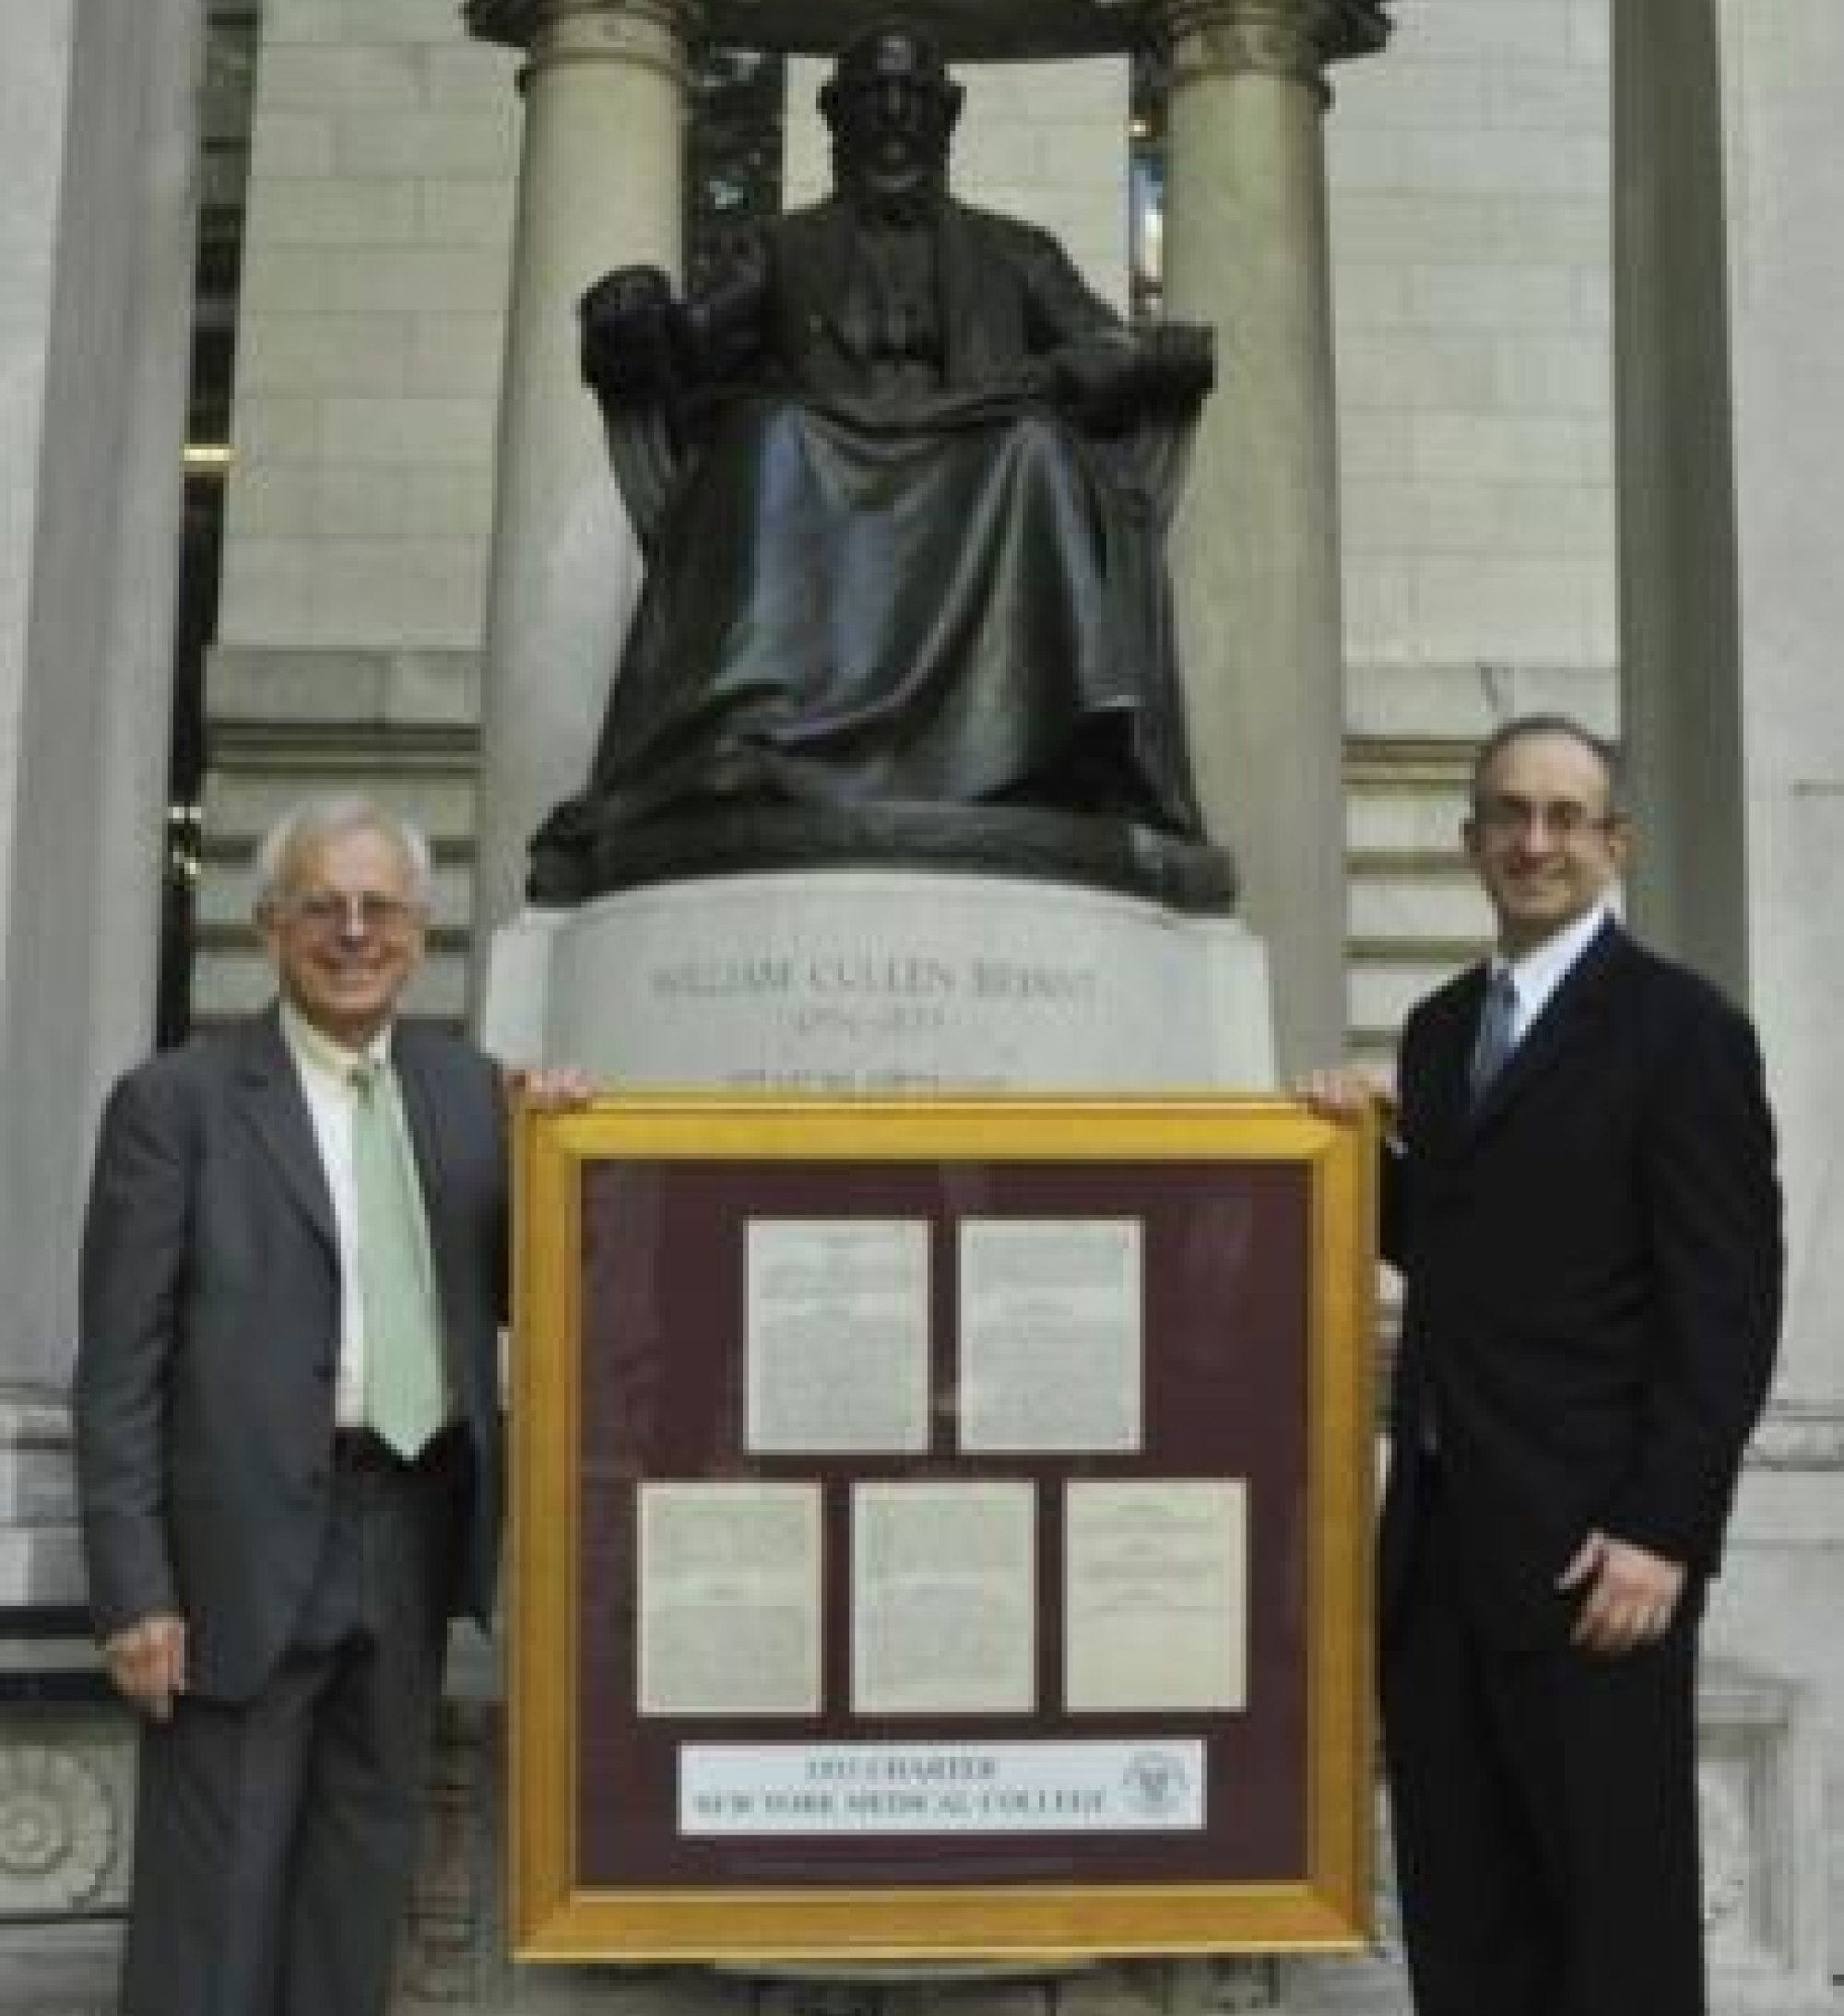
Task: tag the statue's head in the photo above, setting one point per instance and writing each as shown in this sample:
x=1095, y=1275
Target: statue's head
x=892, y=107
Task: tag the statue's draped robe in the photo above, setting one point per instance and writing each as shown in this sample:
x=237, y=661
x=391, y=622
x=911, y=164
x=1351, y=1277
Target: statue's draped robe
x=889, y=571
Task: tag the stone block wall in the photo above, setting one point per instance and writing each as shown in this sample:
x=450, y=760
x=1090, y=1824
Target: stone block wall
x=368, y=353
x=1470, y=221
x=1470, y=227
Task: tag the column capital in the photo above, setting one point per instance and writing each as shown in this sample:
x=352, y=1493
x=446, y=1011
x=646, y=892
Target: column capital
x=530, y=24
x=1291, y=39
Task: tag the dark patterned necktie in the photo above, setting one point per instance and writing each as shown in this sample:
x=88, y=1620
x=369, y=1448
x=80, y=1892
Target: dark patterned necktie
x=1496, y=1038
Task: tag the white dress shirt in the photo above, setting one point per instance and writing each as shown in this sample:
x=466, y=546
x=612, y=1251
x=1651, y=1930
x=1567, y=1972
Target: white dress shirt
x=1537, y=975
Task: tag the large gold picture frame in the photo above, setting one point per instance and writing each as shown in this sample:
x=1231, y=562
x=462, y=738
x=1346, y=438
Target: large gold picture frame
x=1257, y=1221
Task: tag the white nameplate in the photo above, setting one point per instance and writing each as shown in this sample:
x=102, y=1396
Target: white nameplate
x=1154, y=1785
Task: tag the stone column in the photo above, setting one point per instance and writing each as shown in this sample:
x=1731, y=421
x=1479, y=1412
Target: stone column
x=601, y=182
x=1256, y=552
x=99, y=226
x=1681, y=724
x=1781, y=71
x=98, y=107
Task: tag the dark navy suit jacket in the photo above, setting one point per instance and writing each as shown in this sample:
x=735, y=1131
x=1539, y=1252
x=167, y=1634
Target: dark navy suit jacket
x=1592, y=1267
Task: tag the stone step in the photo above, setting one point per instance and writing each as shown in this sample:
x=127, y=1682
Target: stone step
x=231, y=978
x=226, y=894
x=243, y=798
x=288, y=725
x=1412, y=912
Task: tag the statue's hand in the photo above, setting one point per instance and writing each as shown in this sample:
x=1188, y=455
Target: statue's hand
x=632, y=330
x=1179, y=361
x=1035, y=379
x=1096, y=383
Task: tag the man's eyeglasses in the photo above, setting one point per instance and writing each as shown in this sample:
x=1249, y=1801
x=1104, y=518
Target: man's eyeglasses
x=328, y=910
x=1563, y=819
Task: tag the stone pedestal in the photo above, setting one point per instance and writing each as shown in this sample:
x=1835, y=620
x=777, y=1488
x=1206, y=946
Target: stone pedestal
x=873, y=981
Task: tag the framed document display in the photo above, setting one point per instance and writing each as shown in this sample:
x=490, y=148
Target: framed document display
x=941, y=1530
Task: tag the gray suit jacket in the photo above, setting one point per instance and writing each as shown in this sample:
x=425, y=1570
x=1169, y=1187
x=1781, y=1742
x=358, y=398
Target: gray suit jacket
x=209, y=1330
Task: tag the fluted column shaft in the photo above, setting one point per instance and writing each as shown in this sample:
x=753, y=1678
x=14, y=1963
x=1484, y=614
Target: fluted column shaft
x=1256, y=550
x=601, y=182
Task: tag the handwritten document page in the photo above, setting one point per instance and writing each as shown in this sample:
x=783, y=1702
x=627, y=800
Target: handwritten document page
x=1050, y=1334
x=729, y=1598
x=1154, y=1610
x=836, y=1335
x=944, y=1597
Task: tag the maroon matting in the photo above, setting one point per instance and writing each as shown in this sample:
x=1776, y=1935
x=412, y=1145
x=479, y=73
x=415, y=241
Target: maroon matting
x=1226, y=1255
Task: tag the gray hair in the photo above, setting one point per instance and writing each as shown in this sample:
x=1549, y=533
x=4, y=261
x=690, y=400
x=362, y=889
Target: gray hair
x=1521, y=727
x=314, y=821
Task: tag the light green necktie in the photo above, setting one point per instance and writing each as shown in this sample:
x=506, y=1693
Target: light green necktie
x=405, y=1402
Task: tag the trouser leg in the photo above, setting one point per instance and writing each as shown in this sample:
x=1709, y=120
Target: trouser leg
x=355, y=1853
x=1545, y=1810
x=1608, y=1749
x=218, y=1794
x=1478, y=1922
x=275, y=1839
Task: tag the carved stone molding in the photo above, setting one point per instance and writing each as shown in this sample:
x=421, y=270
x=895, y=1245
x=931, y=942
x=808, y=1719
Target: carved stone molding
x=1219, y=1987
x=1799, y=1438
x=519, y=24
x=1129, y=1987
x=1177, y=1987
x=1294, y=39
x=33, y=1416
x=822, y=1998
x=1727, y=1827
x=59, y=1832
x=652, y=33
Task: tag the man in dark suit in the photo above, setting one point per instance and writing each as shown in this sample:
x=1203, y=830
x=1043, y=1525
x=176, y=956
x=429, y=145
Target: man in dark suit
x=1581, y=1197
x=275, y=1536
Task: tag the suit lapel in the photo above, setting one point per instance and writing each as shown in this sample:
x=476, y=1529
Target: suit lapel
x=270, y=1090
x=1446, y=1096
x=1572, y=1011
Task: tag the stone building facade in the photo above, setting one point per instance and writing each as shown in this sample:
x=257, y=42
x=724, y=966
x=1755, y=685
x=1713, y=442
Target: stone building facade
x=1584, y=281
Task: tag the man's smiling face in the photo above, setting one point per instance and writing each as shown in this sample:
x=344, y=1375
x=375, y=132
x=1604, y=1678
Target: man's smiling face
x=1544, y=836
x=345, y=931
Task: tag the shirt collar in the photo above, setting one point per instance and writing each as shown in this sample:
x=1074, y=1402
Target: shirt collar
x=317, y=1050
x=1539, y=972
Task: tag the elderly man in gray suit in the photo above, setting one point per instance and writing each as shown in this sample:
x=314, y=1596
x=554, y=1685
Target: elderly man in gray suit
x=287, y=1415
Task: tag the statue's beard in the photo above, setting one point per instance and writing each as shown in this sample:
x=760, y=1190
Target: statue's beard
x=892, y=191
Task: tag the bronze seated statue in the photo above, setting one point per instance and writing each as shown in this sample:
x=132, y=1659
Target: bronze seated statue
x=901, y=482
